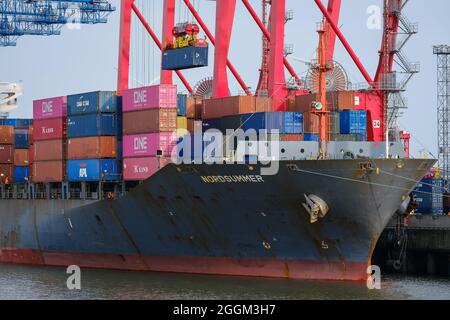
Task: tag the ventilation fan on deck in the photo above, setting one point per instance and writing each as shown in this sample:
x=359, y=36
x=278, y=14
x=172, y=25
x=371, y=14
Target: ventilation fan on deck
x=203, y=89
x=337, y=79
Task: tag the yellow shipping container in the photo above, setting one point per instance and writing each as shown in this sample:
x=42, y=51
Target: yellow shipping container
x=181, y=123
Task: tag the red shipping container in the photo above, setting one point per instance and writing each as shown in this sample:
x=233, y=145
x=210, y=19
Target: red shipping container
x=6, y=134
x=49, y=129
x=6, y=173
x=92, y=148
x=21, y=157
x=138, y=169
x=147, y=121
x=49, y=150
x=6, y=154
x=49, y=171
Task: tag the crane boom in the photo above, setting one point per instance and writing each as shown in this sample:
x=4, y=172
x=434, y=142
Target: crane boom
x=9, y=92
x=47, y=17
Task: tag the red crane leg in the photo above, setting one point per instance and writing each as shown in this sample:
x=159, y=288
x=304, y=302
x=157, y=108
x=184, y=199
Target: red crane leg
x=277, y=79
x=167, y=37
x=225, y=10
x=393, y=29
x=124, y=46
x=267, y=35
x=158, y=43
x=345, y=43
x=334, y=9
x=213, y=41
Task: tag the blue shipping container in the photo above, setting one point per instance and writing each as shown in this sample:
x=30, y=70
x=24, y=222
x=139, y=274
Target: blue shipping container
x=311, y=137
x=93, y=170
x=21, y=174
x=283, y=122
x=185, y=58
x=91, y=125
x=182, y=105
x=429, y=196
x=353, y=121
x=21, y=139
x=92, y=102
x=17, y=123
x=294, y=122
x=212, y=124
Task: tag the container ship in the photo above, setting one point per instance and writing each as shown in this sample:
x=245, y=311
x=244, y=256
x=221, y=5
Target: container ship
x=106, y=179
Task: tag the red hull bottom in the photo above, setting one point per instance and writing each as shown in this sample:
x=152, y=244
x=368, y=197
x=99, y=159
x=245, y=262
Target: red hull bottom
x=271, y=268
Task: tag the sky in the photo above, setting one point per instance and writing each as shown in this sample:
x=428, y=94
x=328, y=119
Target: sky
x=85, y=59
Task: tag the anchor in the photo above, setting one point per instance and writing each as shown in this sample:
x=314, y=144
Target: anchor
x=315, y=207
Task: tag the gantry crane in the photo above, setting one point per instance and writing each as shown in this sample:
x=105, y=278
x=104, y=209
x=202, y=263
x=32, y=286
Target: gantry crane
x=46, y=17
x=9, y=92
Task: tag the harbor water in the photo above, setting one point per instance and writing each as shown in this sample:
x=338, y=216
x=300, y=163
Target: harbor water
x=24, y=282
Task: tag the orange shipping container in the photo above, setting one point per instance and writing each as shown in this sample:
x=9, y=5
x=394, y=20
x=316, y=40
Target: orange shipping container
x=31, y=154
x=263, y=104
x=311, y=123
x=148, y=121
x=341, y=100
x=6, y=153
x=6, y=134
x=291, y=137
x=303, y=102
x=92, y=148
x=49, y=150
x=193, y=108
x=49, y=171
x=6, y=173
x=218, y=108
x=336, y=101
x=21, y=157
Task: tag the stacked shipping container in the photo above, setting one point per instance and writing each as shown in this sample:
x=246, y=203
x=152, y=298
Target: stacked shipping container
x=92, y=131
x=49, y=136
x=21, y=155
x=149, y=128
x=429, y=196
x=189, y=112
x=6, y=154
x=341, y=104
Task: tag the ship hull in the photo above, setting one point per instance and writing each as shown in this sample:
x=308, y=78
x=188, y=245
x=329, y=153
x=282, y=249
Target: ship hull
x=220, y=219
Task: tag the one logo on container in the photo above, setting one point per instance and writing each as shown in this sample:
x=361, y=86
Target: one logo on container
x=47, y=107
x=140, y=97
x=140, y=144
